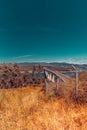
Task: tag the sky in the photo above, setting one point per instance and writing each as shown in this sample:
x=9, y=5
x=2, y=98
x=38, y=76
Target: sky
x=43, y=30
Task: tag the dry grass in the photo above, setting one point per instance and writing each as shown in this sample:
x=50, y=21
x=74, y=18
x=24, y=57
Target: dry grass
x=29, y=109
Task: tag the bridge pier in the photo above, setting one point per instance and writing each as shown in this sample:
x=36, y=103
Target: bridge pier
x=53, y=79
x=57, y=85
x=50, y=76
x=46, y=86
x=47, y=75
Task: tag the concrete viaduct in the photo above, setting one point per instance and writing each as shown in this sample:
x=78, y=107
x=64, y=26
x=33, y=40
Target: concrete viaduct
x=54, y=75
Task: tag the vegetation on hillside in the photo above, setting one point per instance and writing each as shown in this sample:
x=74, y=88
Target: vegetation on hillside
x=29, y=109
x=11, y=77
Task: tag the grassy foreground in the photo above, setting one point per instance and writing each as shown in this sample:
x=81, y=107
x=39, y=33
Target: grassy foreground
x=29, y=109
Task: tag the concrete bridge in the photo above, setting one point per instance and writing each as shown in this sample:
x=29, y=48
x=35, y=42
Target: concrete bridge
x=55, y=75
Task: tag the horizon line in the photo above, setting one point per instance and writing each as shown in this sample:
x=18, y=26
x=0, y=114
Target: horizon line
x=36, y=62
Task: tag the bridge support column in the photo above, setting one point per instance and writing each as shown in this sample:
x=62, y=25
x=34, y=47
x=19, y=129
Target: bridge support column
x=47, y=75
x=50, y=76
x=46, y=86
x=57, y=86
x=53, y=78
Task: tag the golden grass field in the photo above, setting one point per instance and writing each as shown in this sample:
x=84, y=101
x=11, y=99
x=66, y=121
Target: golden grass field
x=29, y=109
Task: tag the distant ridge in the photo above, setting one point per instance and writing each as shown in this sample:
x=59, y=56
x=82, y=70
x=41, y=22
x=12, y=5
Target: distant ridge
x=62, y=65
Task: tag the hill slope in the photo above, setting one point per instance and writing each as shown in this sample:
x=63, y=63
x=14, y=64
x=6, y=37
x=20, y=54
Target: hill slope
x=29, y=109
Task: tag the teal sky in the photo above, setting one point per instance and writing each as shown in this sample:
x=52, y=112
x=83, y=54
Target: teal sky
x=43, y=30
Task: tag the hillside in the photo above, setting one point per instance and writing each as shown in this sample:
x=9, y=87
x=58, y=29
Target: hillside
x=30, y=109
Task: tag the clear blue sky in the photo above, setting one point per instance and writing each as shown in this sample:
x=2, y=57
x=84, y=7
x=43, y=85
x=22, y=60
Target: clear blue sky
x=43, y=29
